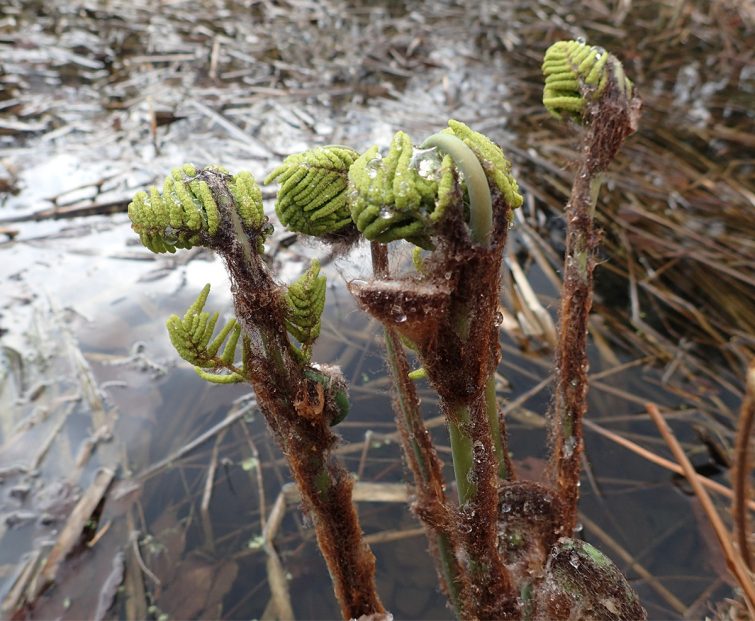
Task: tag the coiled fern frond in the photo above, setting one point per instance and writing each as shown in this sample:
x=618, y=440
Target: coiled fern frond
x=312, y=194
x=406, y=193
x=395, y=197
x=497, y=168
x=575, y=74
x=192, y=336
x=306, y=302
x=195, y=208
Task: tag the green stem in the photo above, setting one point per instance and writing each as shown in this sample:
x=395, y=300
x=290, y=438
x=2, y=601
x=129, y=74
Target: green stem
x=461, y=452
x=427, y=474
x=480, y=203
x=420, y=455
x=499, y=444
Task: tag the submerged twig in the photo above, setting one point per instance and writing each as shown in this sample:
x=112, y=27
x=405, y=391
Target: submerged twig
x=742, y=467
x=733, y=560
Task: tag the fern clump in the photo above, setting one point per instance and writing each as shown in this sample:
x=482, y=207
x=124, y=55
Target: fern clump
x=312, y=194
x=576, y=74
x=192, y=337
x=306, y=302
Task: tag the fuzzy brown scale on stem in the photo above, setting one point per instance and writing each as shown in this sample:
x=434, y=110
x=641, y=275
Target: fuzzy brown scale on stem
x=497, y=598
x=460, y=351
x=290, y=407
x=431, y=505
x=325, y=488
x=570, y=398
x=610, y=119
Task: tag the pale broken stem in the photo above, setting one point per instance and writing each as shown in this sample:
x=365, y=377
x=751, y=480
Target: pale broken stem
x=257, y=474
x=733, y=560
x=204, y=507
x=280, y=606
x=276, y=574
x=70, y=535
x=499, y=441
x=713, y=486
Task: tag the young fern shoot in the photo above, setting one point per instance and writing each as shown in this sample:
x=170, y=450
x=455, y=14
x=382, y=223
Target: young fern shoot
x=500, y=550
x=586, y=84
x=300, y=400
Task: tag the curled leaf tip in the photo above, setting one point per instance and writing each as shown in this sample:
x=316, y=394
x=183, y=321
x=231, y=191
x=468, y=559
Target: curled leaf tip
x=312, y=195
x=576, y=74
x=306, y=302
x=394, y=196
x=192, y=206
x=497, y=168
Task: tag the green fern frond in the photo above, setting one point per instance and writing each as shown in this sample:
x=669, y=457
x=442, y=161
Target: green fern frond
x=177, y=217
x=192, y=337
x=394, y=197
x=189, y=210
x=497, y=168
x=248, y=197
x=576, y=73
x=306, y=302
x=312, y=194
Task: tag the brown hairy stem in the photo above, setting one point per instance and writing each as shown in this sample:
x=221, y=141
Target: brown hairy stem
x=306, y=440
x=431, y=504
x=609, y=121
x=570, y=397
x=742, y=468
x=449, y=314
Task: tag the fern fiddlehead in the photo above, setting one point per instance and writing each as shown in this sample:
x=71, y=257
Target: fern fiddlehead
x=391, y=197
x=575, y=74
x=312, y=195
x=405, y=194
x=193, y=209
x=306, y=302
x=192, y=337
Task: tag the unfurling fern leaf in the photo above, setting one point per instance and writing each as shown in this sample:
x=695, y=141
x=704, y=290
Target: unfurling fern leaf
x=575, y=74
x=497, y=168
x=195, y=207
x=406, y=193
x=394, y=197
x=306, y=302
x=312, y=194
x=192, y=336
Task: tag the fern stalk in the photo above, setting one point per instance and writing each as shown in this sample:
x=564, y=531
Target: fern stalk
x=588, y=85
x=476, y=439
x=324, y=483
x=423, y=463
